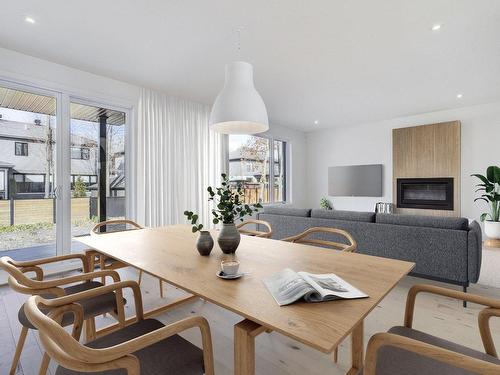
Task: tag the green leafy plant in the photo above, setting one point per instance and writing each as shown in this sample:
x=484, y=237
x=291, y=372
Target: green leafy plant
x=325, y=204
x=191, y=216
x=229, y=204
x=490, y=188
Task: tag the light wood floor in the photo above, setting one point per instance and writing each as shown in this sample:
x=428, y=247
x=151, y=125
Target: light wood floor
x=276, y=354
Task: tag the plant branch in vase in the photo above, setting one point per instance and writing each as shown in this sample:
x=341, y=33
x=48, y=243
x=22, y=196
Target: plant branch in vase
x=489, y=188
x=229, y=206
x=205, y=242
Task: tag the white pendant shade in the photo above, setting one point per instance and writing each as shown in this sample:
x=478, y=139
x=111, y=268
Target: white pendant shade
x=239, y=109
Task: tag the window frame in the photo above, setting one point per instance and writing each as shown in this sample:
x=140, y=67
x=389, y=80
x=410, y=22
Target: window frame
x=81, y=151
x=24, y=146
x=271, y=139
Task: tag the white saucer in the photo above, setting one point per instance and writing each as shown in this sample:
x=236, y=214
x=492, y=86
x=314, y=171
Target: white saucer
x=222, y=275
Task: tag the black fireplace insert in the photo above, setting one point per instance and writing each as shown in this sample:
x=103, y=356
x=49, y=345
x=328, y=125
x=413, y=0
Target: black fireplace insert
x=425, y=193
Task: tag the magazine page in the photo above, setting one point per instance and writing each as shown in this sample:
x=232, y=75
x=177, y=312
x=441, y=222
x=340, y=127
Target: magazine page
x=288, y=286
x=329, y=287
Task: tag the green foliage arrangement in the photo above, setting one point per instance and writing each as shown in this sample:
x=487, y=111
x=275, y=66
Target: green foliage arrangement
x=325, y=204
x=490, y=188
x=191, y=216
x=229, y=204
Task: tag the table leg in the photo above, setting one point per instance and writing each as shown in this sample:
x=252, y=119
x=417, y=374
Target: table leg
x=357, y=349
x=244, y=346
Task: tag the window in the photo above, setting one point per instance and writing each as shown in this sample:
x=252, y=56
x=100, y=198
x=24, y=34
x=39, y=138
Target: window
x=21, y=149
x=29, y=183
x=279, y=167
x=250, y=158
x=80, y=153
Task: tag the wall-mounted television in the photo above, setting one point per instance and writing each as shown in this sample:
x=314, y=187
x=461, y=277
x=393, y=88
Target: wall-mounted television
x=355, y=181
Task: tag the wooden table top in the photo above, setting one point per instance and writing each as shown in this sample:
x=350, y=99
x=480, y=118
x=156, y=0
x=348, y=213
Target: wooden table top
x=170, y=253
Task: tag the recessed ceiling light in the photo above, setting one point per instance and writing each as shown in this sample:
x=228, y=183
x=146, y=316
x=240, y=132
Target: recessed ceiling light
x=29, y=19
x=316, y=122
x=436, y=27
x=459, y=96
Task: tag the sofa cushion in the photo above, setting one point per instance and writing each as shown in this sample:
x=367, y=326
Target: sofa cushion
x=455, y=223
x=287, y=211
x=368, y=217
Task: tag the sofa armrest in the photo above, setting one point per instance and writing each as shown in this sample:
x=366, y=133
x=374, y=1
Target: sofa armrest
x=474, y=251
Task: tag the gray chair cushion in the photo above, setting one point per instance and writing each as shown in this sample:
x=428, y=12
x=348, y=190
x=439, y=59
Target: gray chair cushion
x=456, y=223
x=392, y=361
x=287, y=211
x=173, y=355
x=91, y=306
x=368, y=217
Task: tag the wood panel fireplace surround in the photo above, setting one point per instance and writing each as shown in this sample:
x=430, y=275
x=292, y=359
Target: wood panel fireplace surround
x=426, y=169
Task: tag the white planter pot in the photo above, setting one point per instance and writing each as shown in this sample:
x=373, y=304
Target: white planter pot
x=492, y=229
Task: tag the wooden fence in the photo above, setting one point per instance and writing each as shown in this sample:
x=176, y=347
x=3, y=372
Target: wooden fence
x=34, y=211
x=254, y=194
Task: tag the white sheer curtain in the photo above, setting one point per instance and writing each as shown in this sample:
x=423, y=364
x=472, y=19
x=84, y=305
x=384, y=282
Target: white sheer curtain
x=174, y=158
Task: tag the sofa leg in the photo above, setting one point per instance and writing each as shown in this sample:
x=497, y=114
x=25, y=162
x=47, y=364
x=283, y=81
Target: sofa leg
x=465, y=291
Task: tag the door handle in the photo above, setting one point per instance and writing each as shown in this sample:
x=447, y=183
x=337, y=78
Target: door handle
x=56, y=192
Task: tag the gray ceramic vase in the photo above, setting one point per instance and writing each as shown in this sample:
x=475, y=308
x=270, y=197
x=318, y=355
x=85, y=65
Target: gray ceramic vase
x=205, y=243
x=229, y=238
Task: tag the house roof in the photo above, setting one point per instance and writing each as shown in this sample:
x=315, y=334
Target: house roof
x=25, y=101
x=36, y=133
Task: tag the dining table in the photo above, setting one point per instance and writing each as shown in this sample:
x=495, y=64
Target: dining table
x=170, y=254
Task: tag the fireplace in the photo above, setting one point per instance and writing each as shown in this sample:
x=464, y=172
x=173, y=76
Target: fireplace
x=425, y=193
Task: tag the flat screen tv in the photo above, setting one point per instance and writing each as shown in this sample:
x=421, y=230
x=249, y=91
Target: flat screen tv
x=355, y=181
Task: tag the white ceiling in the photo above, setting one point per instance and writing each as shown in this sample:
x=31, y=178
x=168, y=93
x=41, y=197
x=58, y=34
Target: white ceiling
x=337, y=61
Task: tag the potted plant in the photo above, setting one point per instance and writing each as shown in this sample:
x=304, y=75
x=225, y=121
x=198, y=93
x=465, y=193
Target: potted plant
x=490, y=193
x=229, y=207
x=205, y=241
x=325, y=204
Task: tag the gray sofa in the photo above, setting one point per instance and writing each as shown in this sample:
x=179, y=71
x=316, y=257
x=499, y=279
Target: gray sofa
x=444, y=249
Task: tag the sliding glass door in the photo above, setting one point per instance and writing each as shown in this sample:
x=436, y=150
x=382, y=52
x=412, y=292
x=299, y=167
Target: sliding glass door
x=97, y=173
x=62, y=169
x=28, y=178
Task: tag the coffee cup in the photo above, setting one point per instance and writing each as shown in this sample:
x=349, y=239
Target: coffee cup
x=230, y=267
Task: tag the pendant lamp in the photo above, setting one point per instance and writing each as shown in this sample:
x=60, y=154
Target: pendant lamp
x=239, y=109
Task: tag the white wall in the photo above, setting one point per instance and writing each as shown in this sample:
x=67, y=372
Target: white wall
x=22, y=68
x=371, y=143
x=296, y=163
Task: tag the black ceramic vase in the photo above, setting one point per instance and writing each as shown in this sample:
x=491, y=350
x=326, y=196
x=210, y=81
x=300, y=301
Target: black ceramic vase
x=229, y=238
x=205, y=243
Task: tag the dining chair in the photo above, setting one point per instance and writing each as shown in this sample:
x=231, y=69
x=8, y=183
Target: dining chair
x=255, y=232
x=110, y=263
x=144, y=346
x=51, y=288
x=405, y=350
x=304, y=238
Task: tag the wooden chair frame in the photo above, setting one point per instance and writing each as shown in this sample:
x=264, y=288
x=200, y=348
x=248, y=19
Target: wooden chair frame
x=348, y=248
x=66, y=350
x=301, y=238
x=96, y=258
x=437, y=353
x=19, y=282
x=255, y=233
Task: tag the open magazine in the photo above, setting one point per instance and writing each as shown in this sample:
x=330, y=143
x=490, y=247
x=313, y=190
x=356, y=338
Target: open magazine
x=288, y=286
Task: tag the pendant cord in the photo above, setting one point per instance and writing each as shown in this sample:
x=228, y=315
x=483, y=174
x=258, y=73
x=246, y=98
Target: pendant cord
x=238, y=41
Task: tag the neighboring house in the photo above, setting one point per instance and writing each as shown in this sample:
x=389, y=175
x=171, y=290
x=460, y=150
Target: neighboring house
x=27, y=160
x=248, y=168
